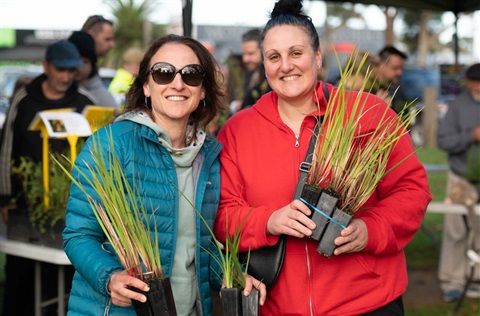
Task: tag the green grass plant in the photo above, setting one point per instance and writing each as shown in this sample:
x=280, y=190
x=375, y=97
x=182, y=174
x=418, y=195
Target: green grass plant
x=119, y=212
x=226, y=255
x=351, y=153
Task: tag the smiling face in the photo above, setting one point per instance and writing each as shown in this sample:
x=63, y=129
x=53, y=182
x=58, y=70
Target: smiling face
x=172, y=103
x=291, y=64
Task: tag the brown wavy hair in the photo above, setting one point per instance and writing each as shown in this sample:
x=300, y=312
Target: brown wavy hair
x=212, y=82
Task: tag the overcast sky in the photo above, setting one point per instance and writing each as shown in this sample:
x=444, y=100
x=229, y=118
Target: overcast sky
x=71, y=14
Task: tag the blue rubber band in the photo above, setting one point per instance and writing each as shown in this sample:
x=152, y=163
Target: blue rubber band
x=322, y=213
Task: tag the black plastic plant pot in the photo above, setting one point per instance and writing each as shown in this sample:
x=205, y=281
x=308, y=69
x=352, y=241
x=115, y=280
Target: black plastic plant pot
x=250, y=304
x=326, y=246
x=231, y=301
x=326, y=203
x=160, y=301
x=311, y=194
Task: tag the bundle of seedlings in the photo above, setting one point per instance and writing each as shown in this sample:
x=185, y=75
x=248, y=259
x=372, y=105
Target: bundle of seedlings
x=130, y=230
x=351, y=153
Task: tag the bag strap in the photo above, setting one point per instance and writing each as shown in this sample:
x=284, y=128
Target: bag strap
x=305, y=165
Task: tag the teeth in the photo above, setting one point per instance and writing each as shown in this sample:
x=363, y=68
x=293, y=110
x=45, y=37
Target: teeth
x=175, y=98
x=289, y=78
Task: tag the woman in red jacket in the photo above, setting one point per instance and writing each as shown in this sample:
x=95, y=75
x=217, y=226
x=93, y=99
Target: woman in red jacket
x=263, y=148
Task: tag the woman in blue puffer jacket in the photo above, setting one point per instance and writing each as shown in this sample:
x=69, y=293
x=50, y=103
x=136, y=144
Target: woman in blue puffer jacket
x=159, y=142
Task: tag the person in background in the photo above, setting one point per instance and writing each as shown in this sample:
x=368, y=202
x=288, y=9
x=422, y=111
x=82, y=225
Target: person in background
x=255, y=83
x=263, y=149
x=235, y=79
x=54, y=89
x=389, y=71
x=86, y=47
x=390, y=68
x=369, y=65
x=160, y=140
x=458, y=133
x=102, y=32
x=126, y=74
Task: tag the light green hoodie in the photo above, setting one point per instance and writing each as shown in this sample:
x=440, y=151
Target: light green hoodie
x=183, y=278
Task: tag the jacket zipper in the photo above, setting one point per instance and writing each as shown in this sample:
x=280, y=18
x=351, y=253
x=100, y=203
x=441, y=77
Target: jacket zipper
x=297, y=143
x=107, y=308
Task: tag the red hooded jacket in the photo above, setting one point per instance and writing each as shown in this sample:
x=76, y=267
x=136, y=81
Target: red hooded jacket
x=260, y=169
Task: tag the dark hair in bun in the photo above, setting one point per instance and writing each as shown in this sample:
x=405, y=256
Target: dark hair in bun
x=289, y=12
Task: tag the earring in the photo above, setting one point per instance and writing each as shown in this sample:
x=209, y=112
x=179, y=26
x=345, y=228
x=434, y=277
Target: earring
x=204, y=105
x=146, y=102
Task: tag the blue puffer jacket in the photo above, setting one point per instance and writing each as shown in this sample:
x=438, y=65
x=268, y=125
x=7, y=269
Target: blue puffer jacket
x=143, y=158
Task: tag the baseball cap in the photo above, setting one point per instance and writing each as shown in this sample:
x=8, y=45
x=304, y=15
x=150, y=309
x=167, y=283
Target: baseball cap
x=63, y=54
x=473, y=72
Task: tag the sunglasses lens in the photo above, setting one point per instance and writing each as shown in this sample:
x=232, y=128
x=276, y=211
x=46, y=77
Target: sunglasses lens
x=192, y=75
x=163, y=73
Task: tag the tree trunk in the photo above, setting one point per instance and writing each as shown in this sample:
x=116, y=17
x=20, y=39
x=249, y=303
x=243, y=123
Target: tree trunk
x=390, y=15
x=423, y=39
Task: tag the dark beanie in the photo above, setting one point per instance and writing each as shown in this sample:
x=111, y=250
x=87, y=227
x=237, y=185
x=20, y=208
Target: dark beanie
x=86, y=46
x=473, y=72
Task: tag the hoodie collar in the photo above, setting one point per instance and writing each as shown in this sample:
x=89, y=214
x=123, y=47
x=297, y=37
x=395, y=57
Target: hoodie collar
x=188, y=153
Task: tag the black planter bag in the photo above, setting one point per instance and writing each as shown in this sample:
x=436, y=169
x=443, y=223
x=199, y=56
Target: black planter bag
x=266, y=263
x=160, y=301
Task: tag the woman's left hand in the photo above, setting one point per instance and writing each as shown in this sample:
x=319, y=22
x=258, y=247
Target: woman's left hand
x=354, y=238
x=251, y=283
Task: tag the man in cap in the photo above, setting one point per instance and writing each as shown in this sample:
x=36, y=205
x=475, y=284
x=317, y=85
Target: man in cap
x=54, y=89
x=459, y=135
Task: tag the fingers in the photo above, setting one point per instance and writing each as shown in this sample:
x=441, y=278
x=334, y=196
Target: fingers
x=292, y=220
x=354, y=238
x=252, y=283
x=120, y=291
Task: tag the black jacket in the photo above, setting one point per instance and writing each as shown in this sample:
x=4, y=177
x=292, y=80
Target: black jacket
x=18, y=141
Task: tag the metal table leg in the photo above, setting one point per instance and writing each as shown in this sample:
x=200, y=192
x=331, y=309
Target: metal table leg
x=61, y=291
x=38, y=288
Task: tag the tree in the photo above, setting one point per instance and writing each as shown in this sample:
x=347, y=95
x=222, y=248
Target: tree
x=422, y=33
x=131, y=21
x=338, y=15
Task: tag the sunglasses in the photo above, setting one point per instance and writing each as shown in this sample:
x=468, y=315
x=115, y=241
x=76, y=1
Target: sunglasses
x=164, y=73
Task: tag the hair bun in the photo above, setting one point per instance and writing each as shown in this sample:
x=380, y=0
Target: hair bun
x=293, y=7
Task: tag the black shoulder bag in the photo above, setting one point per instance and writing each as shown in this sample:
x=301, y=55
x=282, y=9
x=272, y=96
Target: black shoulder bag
x=266, y=263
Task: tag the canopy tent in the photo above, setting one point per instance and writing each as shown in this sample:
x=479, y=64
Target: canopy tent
x=455, y=6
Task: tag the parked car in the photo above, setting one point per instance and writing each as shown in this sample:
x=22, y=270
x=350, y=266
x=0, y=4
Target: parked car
x=8, y=78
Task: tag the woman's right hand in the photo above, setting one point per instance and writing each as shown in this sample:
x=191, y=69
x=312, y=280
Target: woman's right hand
x=292, y=219
x=121, y=295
